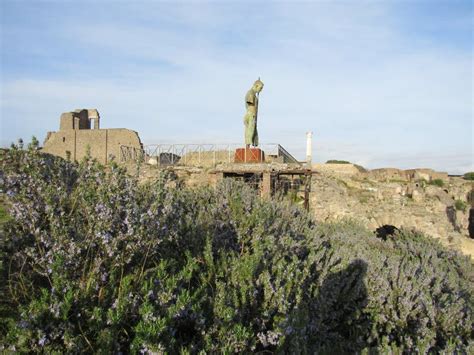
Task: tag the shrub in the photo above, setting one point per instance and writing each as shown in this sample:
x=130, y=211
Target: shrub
x=460, y=205
x=469, y=175
x=97, y=261
x=3, y=213
x=437, y=182
x=334, y=161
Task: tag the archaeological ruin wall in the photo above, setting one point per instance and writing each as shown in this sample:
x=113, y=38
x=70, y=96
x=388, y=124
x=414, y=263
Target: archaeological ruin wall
x=79, y=131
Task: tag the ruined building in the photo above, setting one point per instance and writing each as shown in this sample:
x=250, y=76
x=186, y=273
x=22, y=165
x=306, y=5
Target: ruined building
x=79, y=131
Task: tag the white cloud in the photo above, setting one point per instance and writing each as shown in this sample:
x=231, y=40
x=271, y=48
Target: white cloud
x=340, y=70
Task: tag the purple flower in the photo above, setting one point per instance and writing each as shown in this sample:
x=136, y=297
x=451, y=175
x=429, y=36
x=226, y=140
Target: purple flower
x=107, y=237
x=42, y=341
x=151, y=295
x=23, y=324
x=115, y=304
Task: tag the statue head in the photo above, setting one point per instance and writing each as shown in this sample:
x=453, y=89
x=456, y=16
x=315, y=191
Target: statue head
x=257, y=85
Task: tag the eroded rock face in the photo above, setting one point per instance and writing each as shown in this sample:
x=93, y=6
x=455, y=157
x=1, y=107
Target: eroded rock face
x=378, y=200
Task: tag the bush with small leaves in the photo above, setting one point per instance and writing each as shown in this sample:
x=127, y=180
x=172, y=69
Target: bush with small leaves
x=437, y=182
x=469, y=175
x=98, y=262
x=335, y=161
x=460, y=205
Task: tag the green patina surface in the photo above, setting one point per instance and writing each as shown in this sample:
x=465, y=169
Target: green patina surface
x=250, y=118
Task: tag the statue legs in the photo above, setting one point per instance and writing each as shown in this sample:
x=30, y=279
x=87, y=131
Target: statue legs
x=251, y=135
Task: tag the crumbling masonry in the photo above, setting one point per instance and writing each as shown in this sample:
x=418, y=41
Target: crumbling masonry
x=79, y=131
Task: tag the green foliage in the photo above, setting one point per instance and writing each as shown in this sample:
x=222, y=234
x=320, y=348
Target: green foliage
x=460, y=205
x=334, y=161
x=98, y=262
x=436, y=182
x=4, y=216
x=469, y=175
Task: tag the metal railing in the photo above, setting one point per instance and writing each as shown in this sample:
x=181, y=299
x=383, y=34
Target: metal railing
x=287, y=157
x=202, y=154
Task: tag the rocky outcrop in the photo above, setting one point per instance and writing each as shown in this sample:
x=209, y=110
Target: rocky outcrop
x=382, y=198
x=339, y=169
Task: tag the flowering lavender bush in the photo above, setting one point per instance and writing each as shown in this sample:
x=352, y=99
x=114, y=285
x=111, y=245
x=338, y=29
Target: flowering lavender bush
x=94, y=261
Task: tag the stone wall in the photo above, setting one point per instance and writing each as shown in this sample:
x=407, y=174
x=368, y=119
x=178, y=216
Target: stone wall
x=102, y=143
x=337, y=169
x=426, y=174
x=387, y=174
x=391, y=174
x=75, y=137
x=385, y=198
x=74, y=120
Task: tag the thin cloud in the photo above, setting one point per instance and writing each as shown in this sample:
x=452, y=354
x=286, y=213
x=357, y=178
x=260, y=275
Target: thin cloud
x=179, y=74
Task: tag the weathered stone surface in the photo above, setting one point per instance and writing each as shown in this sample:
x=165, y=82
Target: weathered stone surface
x=392, y=174
x=386, y=201
x=426, y=174
x=207, y=158
x=266, y=185
x=153, y=161
x=387, y=174
x=75, y=138
x=416, y=195
x=338, y=169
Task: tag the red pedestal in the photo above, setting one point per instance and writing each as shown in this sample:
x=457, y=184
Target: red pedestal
x=249, y=155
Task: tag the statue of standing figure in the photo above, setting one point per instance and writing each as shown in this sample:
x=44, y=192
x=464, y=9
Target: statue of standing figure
x=250, y=118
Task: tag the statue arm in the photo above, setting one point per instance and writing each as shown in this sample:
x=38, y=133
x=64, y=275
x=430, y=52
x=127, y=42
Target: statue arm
x=250, y=98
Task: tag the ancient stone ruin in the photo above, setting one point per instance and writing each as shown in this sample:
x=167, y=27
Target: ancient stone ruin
x=79, y=132
x=430, y=201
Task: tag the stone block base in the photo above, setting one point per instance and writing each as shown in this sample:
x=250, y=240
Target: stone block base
x=249, y=155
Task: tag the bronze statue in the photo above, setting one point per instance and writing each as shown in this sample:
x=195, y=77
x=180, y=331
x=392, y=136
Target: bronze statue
x=250, y=118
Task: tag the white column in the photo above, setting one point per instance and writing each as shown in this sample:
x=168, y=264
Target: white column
x=309, y=149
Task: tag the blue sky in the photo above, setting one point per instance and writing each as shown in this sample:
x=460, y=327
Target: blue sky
x=380, y=83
